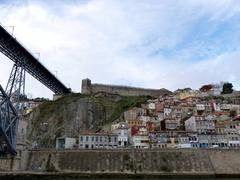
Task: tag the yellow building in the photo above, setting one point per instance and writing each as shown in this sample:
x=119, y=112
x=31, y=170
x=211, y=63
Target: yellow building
x=134, y=122
x=186, y=94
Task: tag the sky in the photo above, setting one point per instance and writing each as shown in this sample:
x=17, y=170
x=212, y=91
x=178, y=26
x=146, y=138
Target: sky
x=151, y=44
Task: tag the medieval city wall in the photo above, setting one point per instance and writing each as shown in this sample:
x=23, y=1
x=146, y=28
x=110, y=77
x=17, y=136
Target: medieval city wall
x=89, y=88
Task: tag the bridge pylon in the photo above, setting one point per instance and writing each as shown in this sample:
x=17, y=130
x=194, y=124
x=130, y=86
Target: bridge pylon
x=15, y=88
x=8, y=125
x=10, y=109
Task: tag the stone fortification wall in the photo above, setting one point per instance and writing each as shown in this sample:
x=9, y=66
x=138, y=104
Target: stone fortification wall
x=89, y=88
x=154, y=162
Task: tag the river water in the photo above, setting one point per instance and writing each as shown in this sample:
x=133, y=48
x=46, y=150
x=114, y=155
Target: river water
x=79, y=178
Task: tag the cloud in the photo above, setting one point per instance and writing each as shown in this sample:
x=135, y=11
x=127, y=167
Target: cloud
x=156, y=44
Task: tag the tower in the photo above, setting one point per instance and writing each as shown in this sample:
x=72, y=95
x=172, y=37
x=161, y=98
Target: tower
x=86, y=86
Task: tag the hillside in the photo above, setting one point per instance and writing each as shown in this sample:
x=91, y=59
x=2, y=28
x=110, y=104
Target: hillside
x=76, y=113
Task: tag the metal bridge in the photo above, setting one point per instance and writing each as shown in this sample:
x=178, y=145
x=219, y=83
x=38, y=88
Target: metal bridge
x=9, y=98
x=15, y=51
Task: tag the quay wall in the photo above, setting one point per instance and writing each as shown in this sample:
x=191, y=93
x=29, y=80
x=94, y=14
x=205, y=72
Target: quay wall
x=153, y=162
x=9, y=164
x=89, y=88
x=12, y=164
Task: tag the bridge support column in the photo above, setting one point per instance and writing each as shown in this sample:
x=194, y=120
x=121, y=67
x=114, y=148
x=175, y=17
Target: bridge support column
x=8, y=125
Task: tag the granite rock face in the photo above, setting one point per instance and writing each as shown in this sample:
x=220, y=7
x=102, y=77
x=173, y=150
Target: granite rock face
x=74, y=114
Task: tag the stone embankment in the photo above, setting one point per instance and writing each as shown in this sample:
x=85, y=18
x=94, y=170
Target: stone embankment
x=167, y=162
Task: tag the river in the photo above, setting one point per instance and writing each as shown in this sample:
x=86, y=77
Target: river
x=80, y=178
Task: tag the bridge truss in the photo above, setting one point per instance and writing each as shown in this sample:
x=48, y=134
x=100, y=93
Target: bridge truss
x=8, y=124
x=9, y=98
x=16, y=52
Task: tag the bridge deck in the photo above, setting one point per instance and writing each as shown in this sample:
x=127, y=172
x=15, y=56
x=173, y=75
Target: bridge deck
x=15, y=51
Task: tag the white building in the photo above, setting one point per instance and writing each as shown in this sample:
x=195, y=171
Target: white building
x=140, y=141
x=200, y=107
x=200, y=124
x=144, y=119
x=190, y=124
x=189, y=140
x=122, y=133
x=216, y=106
x=171, y=124
x=167, y=112
x=228, y=107
x=160, y=116
x=233, y=133
x=142, y=130
x=151, y=106
x=65, y=143
x=97, y=141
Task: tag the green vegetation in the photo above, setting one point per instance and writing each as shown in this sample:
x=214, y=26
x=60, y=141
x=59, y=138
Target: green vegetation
x=227, y=88
x=114, y=107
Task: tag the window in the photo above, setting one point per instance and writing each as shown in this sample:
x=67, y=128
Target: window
x=86, y=138
x=92, y=138
x=100, y=138
x=96, y=138
x=81, y=138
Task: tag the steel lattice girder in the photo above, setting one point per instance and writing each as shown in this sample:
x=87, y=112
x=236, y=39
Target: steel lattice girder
x=16, y=84
x=10, y=47
x=8, y=124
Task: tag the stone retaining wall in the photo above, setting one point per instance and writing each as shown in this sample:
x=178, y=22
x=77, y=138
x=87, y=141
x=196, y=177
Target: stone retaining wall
x=189, y=162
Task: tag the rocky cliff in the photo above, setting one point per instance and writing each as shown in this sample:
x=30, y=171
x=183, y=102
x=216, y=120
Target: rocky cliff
x=73, y=114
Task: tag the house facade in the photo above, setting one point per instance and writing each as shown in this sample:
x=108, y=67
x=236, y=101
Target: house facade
x=98, y=141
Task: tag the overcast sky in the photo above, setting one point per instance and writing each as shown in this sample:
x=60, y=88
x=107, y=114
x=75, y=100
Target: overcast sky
x=153, y=43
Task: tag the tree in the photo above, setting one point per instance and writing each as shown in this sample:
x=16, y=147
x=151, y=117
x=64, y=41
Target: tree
x=233, y=113
x=227, y=88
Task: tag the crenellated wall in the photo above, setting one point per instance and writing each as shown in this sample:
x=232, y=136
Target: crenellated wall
x=89, y=88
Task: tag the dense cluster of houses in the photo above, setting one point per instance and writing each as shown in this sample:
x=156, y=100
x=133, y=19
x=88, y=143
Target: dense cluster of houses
x=26, y=105
x=185, y=119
